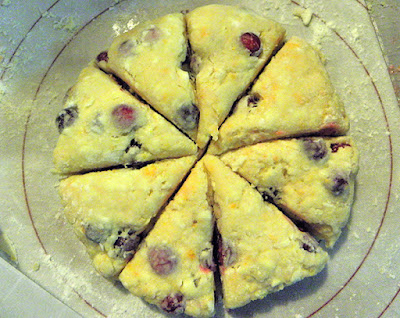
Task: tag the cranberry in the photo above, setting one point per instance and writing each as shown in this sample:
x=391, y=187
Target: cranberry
x=103, y=56
x=252, y=43
x=152, y=34
x=162, y=260
x=66, y=117
x=315, y=148
x=173, y=304
x=339, y=185
x=127, y=244
x=335, y=146
x=131, y=243
x=253, y=100
x=95, y=234
x=226, y=253
x=188, y=116
x=123, y=116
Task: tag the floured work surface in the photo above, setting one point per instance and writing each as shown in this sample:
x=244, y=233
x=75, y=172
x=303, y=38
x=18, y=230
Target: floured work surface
x=356, y=72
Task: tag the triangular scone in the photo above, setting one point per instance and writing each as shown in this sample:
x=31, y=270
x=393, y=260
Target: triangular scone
x=292, y=97
x=231, y=45
x=312, y=179
x=110, y=209
x=103, y=125
x=173, y=267
x=149, y=59
x=261, y=251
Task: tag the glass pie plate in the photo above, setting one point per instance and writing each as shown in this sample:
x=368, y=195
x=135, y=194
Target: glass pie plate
x=44, y=45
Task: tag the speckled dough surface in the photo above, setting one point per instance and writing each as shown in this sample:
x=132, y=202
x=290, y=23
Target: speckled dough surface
x=229, y=51
x=292, y=97
x=103, y=125
x=110, y=209
x=153, y=101
x=261, y=251
x=312, y=179
x=174, y=266
x=149, y=59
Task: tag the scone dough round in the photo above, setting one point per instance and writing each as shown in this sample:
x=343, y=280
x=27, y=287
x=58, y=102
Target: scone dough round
x=203, y=141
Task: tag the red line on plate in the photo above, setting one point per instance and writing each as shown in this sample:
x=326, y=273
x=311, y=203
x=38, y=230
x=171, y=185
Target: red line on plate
x=389, y=304
x=362, y=4
x=391, y=167
x=25, y=135
x=24, y=184
x=29, y=115
x=390, y=178
x=23, y=39
x=89, y=304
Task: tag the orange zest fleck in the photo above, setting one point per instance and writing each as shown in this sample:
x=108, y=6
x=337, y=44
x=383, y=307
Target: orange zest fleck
x=204, y=269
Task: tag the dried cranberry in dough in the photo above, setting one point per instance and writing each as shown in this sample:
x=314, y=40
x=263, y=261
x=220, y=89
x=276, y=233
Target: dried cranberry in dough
x=128, y=243
x=173, y=304
x=335, y=146
x=188, y=116
x=95, y=234
x=124, y=116
x=252, y=43
x=315, y=148
x=66, y=118
x=162, y=260
x=103, y=56
x=152, y=35
x=339, y=185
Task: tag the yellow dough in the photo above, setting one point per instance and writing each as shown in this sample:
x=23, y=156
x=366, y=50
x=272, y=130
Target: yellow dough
x=173, y=268
x=205, y=128
x=224, y=66
x=261, y=251
x=312, y=179
x=109, y=210
x=292, y=97
x=103, y=125
x=149, y=59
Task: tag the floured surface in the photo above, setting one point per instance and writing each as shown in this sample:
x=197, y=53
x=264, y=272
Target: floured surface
x=362, y=276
